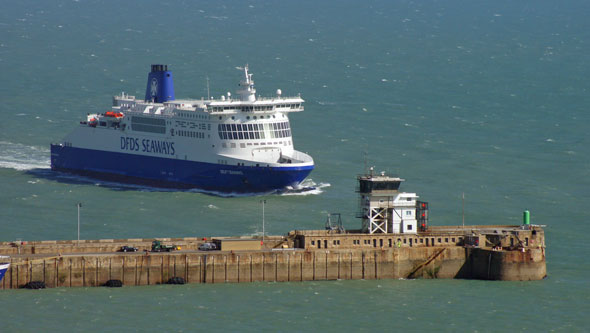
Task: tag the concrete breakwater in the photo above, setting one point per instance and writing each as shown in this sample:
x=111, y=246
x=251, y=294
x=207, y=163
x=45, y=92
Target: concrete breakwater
x=344, y=256
x=395, y=241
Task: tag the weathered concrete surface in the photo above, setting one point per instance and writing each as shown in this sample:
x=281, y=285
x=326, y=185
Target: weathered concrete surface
x=111, y=245
x=135, y=269
x=504, y=265
x=474, y=252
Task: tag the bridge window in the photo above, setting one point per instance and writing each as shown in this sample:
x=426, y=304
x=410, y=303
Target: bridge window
x=254, y=131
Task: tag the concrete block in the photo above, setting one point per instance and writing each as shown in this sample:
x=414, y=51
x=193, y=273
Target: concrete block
x=208, y=272
x=64, y=272
x=294, y=260
x=332, y=265
x=89, y=273
x=180, y=269
x=50, y=266
x=154, y=269
x=384, y=264
x=369, y=271
x=143, y=271
x=356, y=265
x=219, y=265
x=244, y=273
x=232, y=268
x=194, y=268
x=282, y=266
x=307, y=266
x=345, y=265
x=269, y=268
x=256, y=266
x=128, y=270
x=321, y=272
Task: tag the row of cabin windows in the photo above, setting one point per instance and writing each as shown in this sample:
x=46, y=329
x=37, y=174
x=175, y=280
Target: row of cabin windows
x=193, y=115
x=243, y=145
x=148, y=128
x=113, y=124
x=254, y=108
x=390, y=243
x=148, y=121
x=254, y=131
x=254, y=117
x=290, y=106
x=191, y=134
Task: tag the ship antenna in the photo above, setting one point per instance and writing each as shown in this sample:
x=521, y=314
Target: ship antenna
x=208, y=92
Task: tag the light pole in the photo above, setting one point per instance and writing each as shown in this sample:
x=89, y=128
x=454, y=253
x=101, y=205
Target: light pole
x=263, y=202
x=79, y=204
x=463, y=208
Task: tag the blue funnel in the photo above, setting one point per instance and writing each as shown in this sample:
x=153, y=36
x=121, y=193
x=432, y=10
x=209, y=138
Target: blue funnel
x=160, y=87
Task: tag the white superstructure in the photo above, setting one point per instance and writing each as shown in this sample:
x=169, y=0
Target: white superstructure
x=228, y=136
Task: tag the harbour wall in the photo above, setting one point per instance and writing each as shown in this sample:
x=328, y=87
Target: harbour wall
x=108, y=245
x=136, y=269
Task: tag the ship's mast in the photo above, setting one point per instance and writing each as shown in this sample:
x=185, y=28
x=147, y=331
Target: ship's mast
x=248, y=92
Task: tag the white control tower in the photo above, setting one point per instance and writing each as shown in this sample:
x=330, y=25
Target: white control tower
x=384, y=209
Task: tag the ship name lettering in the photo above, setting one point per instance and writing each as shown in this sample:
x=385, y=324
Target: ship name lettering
x=231, y=172
x=157, y=146
x=148, y=146
x=129, y=143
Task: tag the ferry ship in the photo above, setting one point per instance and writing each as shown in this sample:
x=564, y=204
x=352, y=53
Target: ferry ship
x=227, y=145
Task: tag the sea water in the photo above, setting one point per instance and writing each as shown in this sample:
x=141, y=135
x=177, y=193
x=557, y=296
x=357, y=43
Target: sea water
x=489, y=99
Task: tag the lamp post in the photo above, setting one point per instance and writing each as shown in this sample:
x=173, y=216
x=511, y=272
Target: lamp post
x=263, y=202
x=463, y=208
x=79, y=204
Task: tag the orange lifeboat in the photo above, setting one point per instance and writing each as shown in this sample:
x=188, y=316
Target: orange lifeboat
x=93, y=122
x=114, y=114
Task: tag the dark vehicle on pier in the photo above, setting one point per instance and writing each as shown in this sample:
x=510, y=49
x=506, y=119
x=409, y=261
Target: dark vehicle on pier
x=126, y=248
x=208, y=247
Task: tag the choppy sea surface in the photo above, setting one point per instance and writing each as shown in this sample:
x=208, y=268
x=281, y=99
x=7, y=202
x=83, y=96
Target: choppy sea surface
x=486, y=98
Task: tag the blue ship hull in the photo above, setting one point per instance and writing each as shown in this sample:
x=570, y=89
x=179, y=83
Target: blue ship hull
x=2, y=272
x=174, y=173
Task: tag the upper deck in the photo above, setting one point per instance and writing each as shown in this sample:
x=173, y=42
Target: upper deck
x=262, y=105
x=245, y=102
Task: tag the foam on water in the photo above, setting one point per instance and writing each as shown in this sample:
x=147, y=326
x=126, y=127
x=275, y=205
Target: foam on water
x=22, y=157
x=307, y=187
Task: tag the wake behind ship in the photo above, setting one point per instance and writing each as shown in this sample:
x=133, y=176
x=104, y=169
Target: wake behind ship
x=229, y=145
